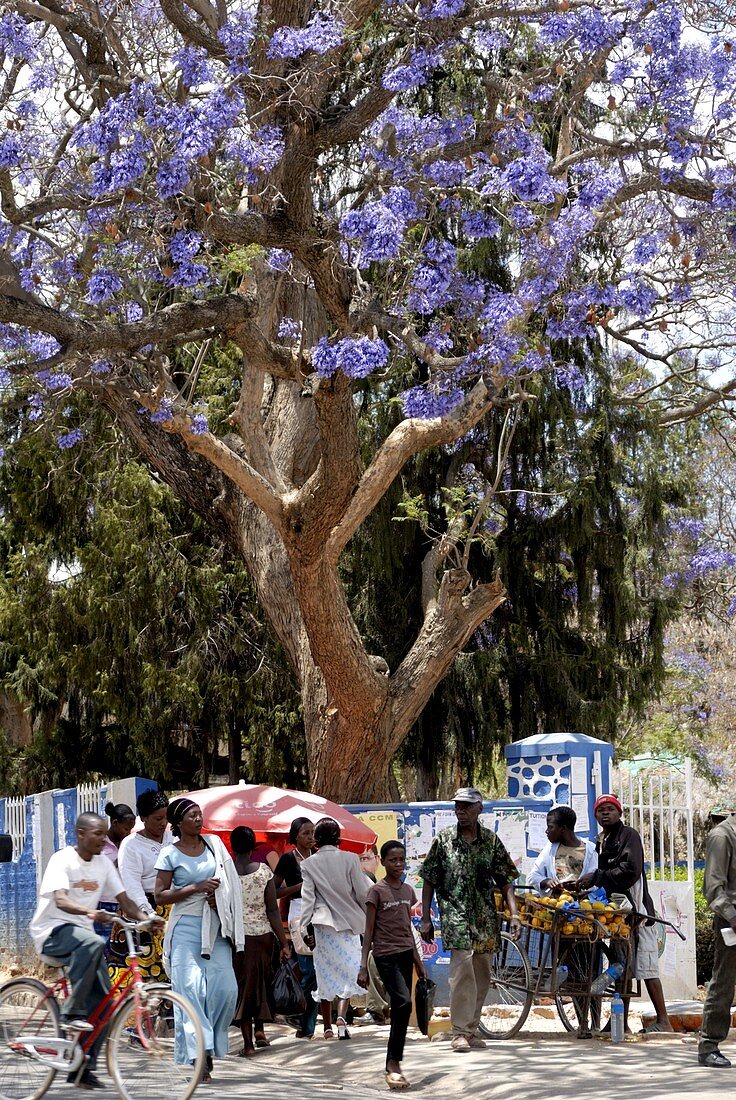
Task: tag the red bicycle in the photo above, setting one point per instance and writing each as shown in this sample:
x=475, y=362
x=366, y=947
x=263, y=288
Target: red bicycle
x=140, y=1018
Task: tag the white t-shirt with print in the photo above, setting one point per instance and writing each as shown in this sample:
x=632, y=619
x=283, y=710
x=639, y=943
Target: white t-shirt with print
x=85, y=880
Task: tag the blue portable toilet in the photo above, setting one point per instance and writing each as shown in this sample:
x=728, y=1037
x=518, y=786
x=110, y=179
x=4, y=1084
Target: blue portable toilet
x=570, y=768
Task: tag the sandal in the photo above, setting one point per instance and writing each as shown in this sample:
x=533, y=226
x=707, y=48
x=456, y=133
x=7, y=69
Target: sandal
x=329, y=1033
x=261, y=1040
x=658, y=1029
x=342, y=1028
x=396, y=1081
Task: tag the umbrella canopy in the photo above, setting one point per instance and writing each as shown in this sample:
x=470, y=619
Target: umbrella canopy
x=269, y=811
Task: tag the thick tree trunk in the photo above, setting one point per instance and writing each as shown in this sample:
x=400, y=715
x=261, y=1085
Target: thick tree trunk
x=356, y=711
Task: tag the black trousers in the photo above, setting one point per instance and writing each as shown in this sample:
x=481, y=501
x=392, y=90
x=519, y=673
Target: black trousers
x=396, y=974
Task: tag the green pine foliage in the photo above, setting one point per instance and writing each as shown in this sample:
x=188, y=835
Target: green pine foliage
x=134, y=641
x=581, y=514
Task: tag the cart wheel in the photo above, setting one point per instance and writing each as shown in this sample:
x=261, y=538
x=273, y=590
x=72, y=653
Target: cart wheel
x=566, y=1011
x=510, y=994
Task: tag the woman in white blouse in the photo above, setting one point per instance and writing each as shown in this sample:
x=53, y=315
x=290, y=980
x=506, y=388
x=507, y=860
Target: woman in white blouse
x=137, y=866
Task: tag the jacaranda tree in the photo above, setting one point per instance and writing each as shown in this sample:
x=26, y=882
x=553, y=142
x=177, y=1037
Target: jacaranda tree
x=227, y=221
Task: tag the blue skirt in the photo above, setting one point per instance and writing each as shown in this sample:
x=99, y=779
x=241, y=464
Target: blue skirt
x=208, y=984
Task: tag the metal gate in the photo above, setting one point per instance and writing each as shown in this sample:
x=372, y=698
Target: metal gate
x=657, y=797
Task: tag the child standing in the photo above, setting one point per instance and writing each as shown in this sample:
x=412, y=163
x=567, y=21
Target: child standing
x=388, y=932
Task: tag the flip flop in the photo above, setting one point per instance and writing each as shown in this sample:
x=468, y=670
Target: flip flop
x=658, y=1029
x=397, y=1081
x=329, y=1033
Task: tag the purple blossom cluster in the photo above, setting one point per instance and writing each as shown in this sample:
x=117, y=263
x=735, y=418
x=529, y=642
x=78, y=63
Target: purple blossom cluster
x=186, y=273
x=415, y=72
x=237, y=38
x=194, y=65
x=18, y=39
x=357, y=357
x=66, y=440
x=102, y=286
x=289, y=330
x=279, y=259
x=479, y=226
x=322, y=33
x=380, y=226
x=164, y=413
x=256, y=154
x=706, y=559
x=198, y=424
x=428, y=403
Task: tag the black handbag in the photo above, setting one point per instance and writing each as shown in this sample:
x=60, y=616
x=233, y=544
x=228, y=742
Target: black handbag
x=287, y=996
x=424, y=994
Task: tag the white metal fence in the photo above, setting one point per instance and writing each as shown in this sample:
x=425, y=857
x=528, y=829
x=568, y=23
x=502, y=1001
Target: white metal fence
x=658, y=801
x=15, y=824
x=657, y=796
x=89, y=798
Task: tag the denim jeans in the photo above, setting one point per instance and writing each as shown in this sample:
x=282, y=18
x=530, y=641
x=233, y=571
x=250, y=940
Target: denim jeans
x=87, y=973
x=309, y=986
x=396, y=974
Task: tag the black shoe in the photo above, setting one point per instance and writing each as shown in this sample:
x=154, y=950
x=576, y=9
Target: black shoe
x=714, y=1059
x=87, y=1080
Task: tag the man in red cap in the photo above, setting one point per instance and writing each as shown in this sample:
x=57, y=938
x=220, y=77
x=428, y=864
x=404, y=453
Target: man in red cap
x=621, y=871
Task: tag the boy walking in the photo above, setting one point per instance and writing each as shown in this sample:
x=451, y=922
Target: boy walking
x=388, y=932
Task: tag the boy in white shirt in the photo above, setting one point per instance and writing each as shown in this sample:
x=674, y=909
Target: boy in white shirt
x=62, y=926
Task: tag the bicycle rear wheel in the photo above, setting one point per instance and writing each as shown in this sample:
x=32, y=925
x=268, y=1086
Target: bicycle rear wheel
x=26, y=1008
x=141, y=1056
x=510, y=994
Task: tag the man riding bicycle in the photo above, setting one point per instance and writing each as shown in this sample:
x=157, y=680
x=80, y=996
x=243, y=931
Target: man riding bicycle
x=62, y=926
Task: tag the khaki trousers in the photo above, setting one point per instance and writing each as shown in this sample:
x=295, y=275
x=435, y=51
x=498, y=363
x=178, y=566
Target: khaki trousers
x=470, y=978
x=719, y=998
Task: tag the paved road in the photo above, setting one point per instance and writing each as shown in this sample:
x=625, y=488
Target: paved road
x=538, y=1065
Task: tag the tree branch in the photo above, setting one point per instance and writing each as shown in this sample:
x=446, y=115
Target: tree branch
x=407, y=439
x=447, y=627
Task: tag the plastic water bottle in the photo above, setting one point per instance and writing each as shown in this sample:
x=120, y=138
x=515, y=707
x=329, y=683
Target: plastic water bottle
x=608, y=977
x=561, y=975
x=617, y=1019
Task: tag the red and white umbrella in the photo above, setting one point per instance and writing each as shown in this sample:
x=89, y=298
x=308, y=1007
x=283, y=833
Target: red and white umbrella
x=269, y=811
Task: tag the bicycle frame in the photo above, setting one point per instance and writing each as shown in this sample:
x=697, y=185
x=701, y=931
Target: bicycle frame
x=53, y=1050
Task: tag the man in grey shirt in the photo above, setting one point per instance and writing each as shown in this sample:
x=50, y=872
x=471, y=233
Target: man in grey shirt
x=719, y=888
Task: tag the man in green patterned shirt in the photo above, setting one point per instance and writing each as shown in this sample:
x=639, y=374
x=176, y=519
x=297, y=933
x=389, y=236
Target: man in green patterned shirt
x=463, y=866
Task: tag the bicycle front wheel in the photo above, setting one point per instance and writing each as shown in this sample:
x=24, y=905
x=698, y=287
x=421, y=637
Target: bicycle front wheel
x=27, y=1009
x=510, y=994
x=142, y=1055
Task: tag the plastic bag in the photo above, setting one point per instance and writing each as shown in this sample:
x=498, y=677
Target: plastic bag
x=287, y=996
x=424, y=995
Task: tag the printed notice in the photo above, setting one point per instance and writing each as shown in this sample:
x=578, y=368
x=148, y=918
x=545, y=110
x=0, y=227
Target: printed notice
x=579, y=775
x=512, y=832
x=443, y=819
x=537, y=827
x=579, y=803
x=669, y=958
x=418, y=837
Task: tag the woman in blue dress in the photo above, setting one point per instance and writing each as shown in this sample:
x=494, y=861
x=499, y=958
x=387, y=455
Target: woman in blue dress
x=196, y=876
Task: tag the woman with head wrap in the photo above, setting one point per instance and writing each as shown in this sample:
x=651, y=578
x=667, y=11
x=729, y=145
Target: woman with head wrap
x=137, y=865
x=196, y=876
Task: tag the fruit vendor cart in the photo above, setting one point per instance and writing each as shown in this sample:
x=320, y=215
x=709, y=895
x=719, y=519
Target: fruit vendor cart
x=565, y=949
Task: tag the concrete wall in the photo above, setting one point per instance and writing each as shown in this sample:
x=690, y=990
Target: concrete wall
x=49, y=821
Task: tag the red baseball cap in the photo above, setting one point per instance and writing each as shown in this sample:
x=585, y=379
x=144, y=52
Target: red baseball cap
x=602, y=799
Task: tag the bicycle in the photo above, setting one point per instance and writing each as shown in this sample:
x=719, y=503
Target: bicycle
x=135, y=1015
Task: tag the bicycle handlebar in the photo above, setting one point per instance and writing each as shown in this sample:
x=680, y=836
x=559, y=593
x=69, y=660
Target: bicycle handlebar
x=133, y=925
